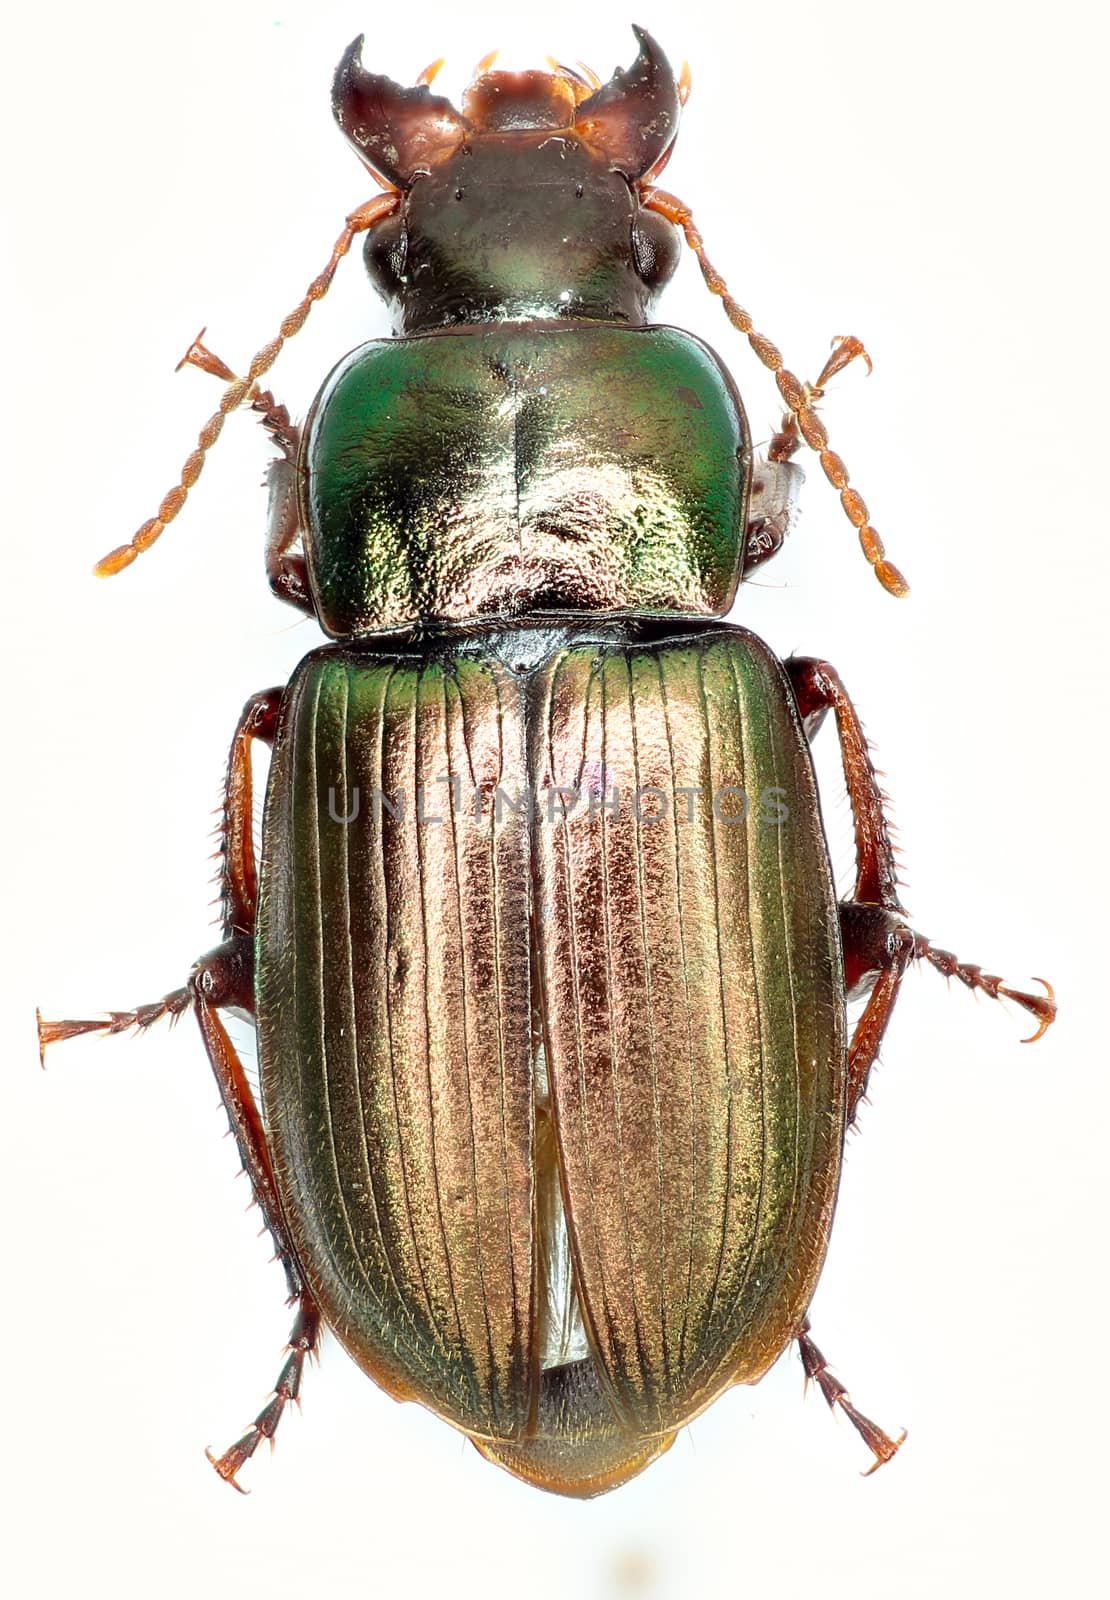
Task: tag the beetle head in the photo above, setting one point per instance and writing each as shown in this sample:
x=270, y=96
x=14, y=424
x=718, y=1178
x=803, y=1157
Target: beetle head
x=524, y=203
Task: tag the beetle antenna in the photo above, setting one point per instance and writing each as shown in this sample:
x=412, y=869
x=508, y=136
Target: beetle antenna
x=240, y=390
x=797, y=395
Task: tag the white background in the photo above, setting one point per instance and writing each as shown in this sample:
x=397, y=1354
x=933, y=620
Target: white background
x=930, y=178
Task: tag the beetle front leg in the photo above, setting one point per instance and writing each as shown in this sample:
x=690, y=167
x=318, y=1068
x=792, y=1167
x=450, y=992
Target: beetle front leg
x=776, y=484
x=288, y=573
x=286, y=569
x=777, y=481
x=225, y=979
x=878, y=942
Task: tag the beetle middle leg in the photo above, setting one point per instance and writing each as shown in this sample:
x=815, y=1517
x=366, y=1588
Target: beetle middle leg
x=878, y=942
x=225, y=979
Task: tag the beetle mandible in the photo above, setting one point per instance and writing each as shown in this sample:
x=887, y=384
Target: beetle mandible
x=543, y=949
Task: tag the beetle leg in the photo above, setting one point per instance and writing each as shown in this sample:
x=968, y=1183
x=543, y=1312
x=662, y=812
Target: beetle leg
x=286, y=569
x=773, y=508
x=818, y=689
x=883, y=1447
x=1040, y=1006
x=238, y=881
x=875, y=938
x=303, y=1342
x=875, y=941
x=225, y=978
x=238, y=878
x=878, y=948
x=777, y=481
x=878, y=942
x=288, y=574
x=142, y=1017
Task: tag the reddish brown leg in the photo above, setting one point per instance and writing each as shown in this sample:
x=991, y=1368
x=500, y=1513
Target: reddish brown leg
x=777, y=481
x=225, y=978
x=238, y=885
x=878, y=942
x=238, y=879
x=287, y=570
x=303, y=1342
x=818, y=689
x=882, y=1446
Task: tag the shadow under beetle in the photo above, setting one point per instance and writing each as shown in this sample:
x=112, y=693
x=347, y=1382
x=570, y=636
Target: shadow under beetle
x=543, y=948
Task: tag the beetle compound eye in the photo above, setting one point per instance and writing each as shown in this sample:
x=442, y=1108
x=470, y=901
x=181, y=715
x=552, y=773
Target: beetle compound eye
x=384, y=256
x=655, y=249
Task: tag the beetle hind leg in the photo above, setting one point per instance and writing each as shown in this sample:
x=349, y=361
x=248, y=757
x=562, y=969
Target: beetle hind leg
x=303, y=1342
x=882, y=1446
x=226, y=978
x=223, y=979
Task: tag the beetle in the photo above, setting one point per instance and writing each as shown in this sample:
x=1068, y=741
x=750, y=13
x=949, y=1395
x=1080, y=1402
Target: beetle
x=543, y=949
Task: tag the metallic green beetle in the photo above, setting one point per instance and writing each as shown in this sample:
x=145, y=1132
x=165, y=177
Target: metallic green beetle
x=546, y=960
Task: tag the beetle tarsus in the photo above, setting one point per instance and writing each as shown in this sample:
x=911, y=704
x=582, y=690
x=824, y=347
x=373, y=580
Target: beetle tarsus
x=172, y=1005
x=877, y=940
x=303, y=1343
x=845, y=349
x=816, y=1369
x=273, y=417
x=1040, y=1006
x=198, y=355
